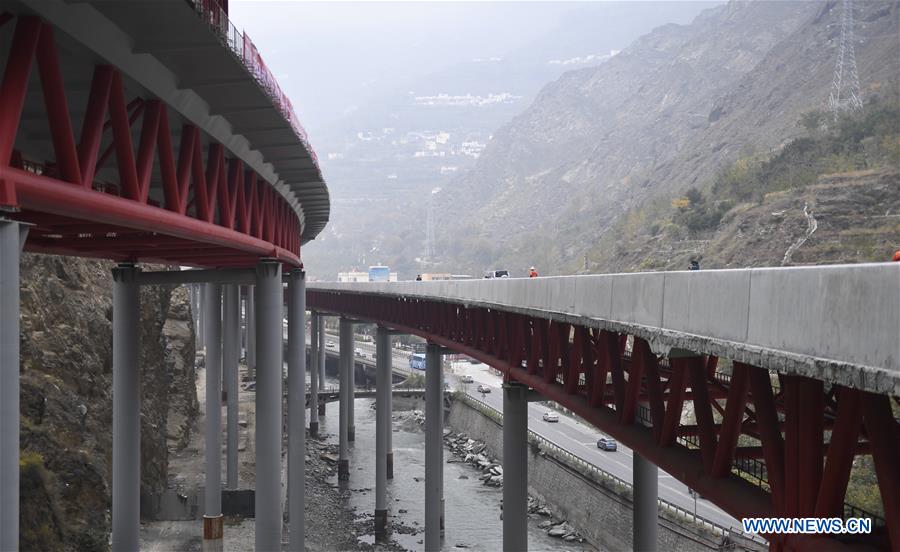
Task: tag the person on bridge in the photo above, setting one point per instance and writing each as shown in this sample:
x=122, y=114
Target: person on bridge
x=695, y=265
x=897, y=256
x=418, y=277
x=532, y=273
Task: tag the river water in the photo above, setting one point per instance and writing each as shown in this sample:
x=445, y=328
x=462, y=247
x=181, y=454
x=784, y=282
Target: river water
x=471, y=510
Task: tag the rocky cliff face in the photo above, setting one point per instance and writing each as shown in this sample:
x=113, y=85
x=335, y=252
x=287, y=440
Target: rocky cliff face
x=66, y=397
x=665, y=114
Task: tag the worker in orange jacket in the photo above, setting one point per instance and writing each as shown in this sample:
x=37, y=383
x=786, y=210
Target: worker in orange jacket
x=532, y=273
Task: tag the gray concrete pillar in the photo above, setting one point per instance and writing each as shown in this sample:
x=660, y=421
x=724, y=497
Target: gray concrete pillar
x=296, y=408
x=351, y=406
x=382, y=426
x=434, y=447
x=212, y=503
x=345, y=365
x=231, y=343
x=515, y=467
x=126, y=456
x=12, y=238
x=322, y=358
x=314, y=374
x=199, y=332
x=251, y=332
x=646, y=522
x=321, y=361
x=390, y=409
x=268, y=343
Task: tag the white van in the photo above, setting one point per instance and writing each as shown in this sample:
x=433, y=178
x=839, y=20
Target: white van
x=496, y=274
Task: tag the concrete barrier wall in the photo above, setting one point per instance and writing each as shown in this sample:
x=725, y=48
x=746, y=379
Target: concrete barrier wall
x=602, y=513
x=839, y=323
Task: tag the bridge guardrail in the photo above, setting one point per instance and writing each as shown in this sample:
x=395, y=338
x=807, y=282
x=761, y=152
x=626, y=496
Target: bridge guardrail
x=600, y=473
x=244, y=48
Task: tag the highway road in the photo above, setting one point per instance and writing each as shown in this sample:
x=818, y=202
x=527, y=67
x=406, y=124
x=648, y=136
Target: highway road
x=367, y=348
x=581, y=440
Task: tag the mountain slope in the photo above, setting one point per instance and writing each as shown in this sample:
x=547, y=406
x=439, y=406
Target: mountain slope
x=663, y=115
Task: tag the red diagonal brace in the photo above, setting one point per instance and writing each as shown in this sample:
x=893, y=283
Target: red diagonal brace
x=57, y=109
x=731, y=422
x=92, y=126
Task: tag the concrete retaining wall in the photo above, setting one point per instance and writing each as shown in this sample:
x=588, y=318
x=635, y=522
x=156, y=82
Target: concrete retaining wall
x=599, y=509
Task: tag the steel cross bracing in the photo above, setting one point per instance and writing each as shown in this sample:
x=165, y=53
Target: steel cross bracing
x=806, y=432
x=194, y=205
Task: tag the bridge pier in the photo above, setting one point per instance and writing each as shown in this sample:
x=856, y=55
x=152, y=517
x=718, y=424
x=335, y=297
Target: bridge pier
x=345, y=367
x=645, y=523
x=434, y=448
x=296, y=408
x=231, y=343
x=321, y=360
x=269, y=337
x=351, y=375
x=251, y=332
x=126, y=456
x=382, y=425
x=515, y=467
x=12, y=238
x=212, y=501
x=314, y=373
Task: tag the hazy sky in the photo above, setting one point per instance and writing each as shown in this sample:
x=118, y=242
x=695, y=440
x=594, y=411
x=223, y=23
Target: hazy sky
x=331, y=57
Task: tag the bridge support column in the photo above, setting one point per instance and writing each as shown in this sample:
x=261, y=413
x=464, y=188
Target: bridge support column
x=269, y=338
x=351, y=374
x=322, y=360
x=212, y=502
x=296, y=408
x=515, y=467
x=126, y=461
x=645, y=524
x=12, y=238
x=314, y=373
x=231, y=343
x=345, y=366
x=434, y=448
x=251, y=333
x=382, y=426
x=200, y=331
x=389, y=407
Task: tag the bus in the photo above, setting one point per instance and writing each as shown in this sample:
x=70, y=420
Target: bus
x=379, y=273
x=417, y=361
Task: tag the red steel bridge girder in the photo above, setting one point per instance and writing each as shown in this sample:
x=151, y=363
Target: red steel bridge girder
x=205, y=198
x=573, y=365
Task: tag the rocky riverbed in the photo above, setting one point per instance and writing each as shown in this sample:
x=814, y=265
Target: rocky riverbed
x=474, y=452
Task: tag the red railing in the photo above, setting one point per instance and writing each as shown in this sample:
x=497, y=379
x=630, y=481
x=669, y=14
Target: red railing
x=240, y=44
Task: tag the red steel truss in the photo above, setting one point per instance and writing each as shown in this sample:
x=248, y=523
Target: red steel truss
x=209, y=209
x=806, y=432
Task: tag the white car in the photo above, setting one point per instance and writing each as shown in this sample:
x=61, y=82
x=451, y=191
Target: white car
x=466, y=378
x=551, y=417
x=329, y=344
x=358, y=352
x=484, y=389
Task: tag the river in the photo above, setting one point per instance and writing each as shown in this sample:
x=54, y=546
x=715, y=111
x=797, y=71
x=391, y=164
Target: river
x=472, y=510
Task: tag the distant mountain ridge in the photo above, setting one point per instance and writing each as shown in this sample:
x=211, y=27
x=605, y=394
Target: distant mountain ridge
x=663, y=115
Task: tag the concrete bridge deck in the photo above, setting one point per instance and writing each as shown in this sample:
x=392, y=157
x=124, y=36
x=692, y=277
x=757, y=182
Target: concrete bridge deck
x=837, y=323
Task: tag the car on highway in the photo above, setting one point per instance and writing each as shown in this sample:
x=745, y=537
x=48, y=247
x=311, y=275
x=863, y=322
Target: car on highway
x=551, y=417
x=484, y=389
x=466, y=378
x=249, y=386
x=329, y=343
x=358, y=352
x=606, y=443
x=496, y=274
